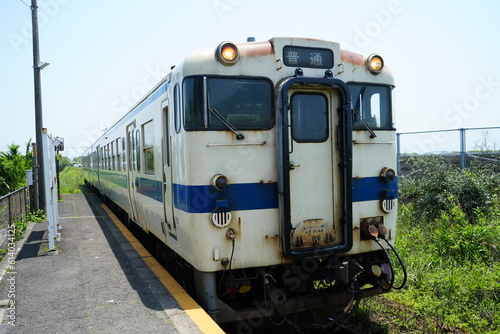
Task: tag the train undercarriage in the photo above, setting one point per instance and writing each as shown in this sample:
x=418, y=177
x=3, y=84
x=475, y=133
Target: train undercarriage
x=308, y=296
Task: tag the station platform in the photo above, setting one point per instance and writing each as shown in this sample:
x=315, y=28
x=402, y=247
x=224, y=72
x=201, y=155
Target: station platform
x=100, y=281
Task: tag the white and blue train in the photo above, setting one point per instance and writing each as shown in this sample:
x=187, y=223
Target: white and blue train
x=264, y=172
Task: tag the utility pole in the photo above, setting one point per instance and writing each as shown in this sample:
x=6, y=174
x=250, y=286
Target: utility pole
x=37, y=67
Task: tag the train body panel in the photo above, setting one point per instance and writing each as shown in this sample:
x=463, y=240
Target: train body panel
x=250, y=197
x=262, y=168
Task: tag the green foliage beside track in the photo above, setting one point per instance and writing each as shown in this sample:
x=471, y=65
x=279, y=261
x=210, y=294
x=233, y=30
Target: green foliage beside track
x=12, y=168
x=71, y=180
x=449, y=238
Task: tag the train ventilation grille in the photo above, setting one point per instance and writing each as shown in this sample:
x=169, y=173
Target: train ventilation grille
x=388, y=204
x=221, y=217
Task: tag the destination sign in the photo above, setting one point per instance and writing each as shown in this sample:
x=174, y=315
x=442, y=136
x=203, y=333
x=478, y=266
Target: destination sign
x=299, y=56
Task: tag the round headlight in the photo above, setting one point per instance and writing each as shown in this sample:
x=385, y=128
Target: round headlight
x=220, y=182
x=388, y=174
x=375, y=63
x=227, y=53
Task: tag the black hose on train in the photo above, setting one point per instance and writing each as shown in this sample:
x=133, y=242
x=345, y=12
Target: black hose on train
x=382, y=235
x=225, y=269
x=391, y=283
x=403, y=267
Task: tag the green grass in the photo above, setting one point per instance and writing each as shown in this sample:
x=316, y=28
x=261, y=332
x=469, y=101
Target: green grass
x=71, y=180
x=454, y=274
x=449, y=237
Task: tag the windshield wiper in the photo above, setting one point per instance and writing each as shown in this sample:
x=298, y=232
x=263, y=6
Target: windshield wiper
x=372, y=134
x=356, y=111
x=239, y=135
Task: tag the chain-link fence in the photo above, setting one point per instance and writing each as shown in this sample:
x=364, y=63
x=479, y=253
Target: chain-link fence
x=464, y=148
x=14, y=207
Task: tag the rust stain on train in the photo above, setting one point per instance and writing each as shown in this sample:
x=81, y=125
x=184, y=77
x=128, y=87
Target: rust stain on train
x=351, y=57
x=254, y=49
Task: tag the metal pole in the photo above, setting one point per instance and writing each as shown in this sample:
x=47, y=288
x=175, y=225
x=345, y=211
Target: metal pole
x=463, y=150
x=398, y=153
x=59, y=196
x=38, y=105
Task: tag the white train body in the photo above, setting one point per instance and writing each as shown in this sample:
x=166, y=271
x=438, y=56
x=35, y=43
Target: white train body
x=300, y=175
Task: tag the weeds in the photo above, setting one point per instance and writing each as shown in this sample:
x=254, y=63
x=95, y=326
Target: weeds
x=36, y=217
x=71, y=180
x=449, y=237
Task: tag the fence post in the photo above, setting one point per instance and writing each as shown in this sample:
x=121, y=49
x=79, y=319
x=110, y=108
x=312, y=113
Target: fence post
x=21, y=193
x=463, y=149
x=398, y=153
x=10, y=209
x=25, y=194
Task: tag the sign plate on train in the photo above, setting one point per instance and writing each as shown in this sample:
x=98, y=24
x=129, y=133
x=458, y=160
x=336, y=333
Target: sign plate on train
x=299, y=56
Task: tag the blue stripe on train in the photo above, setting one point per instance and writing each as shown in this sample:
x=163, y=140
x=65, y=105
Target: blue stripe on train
x=253, y=196
x=373, y=188
x=241, y=196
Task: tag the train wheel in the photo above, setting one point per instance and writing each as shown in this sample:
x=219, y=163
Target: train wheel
x=161, y=253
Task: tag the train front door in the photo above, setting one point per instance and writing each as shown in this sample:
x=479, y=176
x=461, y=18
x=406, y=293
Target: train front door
x=312, y=179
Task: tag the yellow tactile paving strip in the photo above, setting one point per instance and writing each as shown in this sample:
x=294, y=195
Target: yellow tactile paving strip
x=204, y=322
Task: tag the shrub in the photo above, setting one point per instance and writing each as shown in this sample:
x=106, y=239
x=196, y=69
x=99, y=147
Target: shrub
x=433, y=186
x=449, y=237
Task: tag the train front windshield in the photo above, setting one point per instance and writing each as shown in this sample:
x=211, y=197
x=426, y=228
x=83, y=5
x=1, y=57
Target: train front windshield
x=372, y=106
x=244, y=103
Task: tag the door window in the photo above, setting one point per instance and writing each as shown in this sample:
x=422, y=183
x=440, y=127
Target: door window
x=309, y=117
x=148, y=148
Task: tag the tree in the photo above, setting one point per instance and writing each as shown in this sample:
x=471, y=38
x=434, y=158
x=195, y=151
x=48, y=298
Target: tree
x=64, y=162
x=12, y=168
x=78, y=160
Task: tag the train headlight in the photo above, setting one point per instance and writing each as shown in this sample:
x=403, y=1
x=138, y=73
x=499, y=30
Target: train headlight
x=375, y=63
x=227, y=53
x=220, y=182
x=388, y=174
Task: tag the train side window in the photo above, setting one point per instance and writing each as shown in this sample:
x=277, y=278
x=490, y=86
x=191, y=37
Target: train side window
x=112, y=156
x=118, y=155
x=101, y=158
x=194, y=115
x=123, y=162
x=177, y=109
x=148, y=148
x=309, y=117
x=108, y=157
x=138, y=151
x=131, y=150
x=244, y=103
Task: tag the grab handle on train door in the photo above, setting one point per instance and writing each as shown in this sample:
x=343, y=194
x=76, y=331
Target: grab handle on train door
x=293, y=165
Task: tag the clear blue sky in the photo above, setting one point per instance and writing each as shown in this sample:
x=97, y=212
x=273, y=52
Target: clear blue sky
x=104, y=55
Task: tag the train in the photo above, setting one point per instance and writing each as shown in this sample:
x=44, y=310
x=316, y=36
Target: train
x=264, y=175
